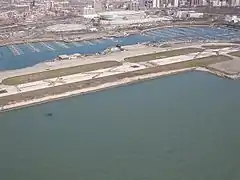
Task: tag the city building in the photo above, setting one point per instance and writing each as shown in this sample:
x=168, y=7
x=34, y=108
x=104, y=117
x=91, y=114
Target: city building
x=156, y=3
x=196, y=2
x=165, y=3
x=232, y=19
x=89, y=12
x=205, y=3
x=148, y=4
x=134, y=5
x=176, y=3
x=142, y=4
x=98, y=5
x=235, y=3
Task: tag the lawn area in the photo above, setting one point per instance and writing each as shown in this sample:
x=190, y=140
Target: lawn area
x=59, y=72
x=216, y=46
x=160, y=55
x=237, y=53
x=205, y=61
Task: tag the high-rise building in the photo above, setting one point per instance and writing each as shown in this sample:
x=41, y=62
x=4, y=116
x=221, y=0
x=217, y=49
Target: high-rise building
x=148, y=4
x=175, y=3
x=88, y=10
x=141, y=4
x=235, y=3
x=98, y=6
x=205, y=2
x=156, y=3
x=134, y=5
x=196, y=2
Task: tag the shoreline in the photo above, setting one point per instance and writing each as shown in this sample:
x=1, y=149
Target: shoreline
x=108, y=85
x=218, y=73
x=104, y=34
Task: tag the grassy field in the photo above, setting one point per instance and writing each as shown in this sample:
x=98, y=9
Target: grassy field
x=237, y=53
x=160, y=55
x=216, y=46
x=98, y=81
x=59, y=72
x=208, y=60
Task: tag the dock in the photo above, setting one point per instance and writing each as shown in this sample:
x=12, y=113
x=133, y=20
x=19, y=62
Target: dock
x=89, y=43
x=14, y=50
x=47, y=46
x=77, y=44
x=150, y=33
x=30, y=46
x=162, y=34
x=61, y=44
x=98, y=41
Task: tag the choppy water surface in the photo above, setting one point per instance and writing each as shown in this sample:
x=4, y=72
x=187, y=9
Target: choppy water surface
x=30, y=54
x=182, y=127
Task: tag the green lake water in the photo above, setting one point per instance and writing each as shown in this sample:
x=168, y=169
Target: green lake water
x=180, y=127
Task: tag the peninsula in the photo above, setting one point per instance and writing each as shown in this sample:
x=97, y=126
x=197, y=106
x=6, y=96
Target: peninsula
x=67, y=77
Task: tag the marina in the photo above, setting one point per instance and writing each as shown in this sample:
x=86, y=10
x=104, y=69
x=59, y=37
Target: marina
x=51, y=49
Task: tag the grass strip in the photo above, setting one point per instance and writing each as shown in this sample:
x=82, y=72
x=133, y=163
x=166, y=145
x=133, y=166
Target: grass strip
x=237, y=53
x=160, y=55
x=59, y=72
x=216, y=46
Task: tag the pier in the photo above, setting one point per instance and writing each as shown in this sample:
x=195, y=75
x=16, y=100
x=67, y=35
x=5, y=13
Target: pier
x=47, y=46
x=14, y=50
x=169, y=33
x=30, y=46
x=162, y=34
x=61, y=44
x=98, y=41
x=150, y=33
x=179, y=31
x=77, y=44
x=89, y=43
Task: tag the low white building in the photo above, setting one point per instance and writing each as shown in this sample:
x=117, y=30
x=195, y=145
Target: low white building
x=66, y=27
x=218, y=3
x=121, y=15
x=188, y=14
x=195, y=15
x=232, y=19
x=63, y=57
